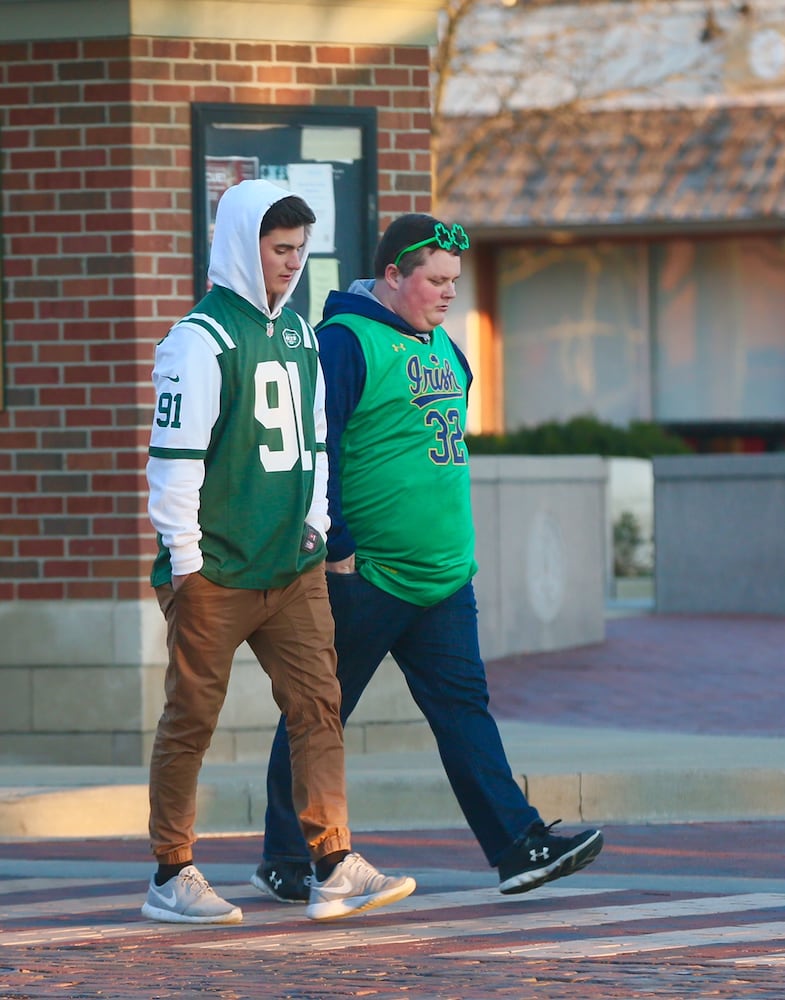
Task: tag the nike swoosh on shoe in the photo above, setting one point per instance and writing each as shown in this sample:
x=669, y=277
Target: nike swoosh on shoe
x=170, y=900
x=340, y=888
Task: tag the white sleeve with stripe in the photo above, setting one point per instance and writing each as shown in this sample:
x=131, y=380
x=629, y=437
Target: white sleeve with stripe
x=187, y=382
x=317, y=515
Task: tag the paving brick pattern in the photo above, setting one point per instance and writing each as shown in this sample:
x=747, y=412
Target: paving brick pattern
x=711, y=674
x=154, y=962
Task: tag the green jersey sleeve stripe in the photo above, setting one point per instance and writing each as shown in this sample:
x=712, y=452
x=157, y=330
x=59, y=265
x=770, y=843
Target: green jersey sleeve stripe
x=214, y=327
x=176, y=452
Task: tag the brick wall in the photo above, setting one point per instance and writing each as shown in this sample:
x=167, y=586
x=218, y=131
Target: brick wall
x=96, y=219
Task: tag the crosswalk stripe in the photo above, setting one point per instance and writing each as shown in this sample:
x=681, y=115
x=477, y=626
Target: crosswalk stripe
x=634, y=944
x=63, y=907
x=14, y=885
x=66, y=935
x=772, y=958
x=77, y=905
x=359, y=936
x=9, y=886
x=268, y=927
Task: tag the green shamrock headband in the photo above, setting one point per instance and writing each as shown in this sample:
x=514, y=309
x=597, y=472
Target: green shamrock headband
x=446, y=238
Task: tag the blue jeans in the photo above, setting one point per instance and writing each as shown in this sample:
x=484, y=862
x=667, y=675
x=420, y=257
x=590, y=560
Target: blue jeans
x=437, y=649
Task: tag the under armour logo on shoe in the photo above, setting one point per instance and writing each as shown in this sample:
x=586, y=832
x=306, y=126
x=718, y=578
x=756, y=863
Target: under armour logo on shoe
x=542, y=855
x=275, y=881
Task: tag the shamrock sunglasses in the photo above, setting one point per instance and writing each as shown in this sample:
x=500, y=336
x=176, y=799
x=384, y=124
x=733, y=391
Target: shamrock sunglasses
x=456, y=237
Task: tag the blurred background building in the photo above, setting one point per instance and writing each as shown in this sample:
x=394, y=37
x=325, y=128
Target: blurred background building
x=619, y=166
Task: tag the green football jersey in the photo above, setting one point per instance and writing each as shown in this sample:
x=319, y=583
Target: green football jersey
x=405, y=484
x=260, y=460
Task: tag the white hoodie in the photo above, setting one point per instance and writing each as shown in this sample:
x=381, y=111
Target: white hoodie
x=188, y=353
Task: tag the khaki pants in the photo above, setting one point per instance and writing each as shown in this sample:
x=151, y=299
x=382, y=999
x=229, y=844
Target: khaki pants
x=290, y=631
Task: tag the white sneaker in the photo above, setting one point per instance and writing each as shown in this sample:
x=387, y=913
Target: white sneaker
x=354, y=886
x=188, y=899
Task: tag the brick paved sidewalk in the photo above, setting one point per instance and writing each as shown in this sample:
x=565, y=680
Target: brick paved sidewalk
x=710, y=674
x=666, y=912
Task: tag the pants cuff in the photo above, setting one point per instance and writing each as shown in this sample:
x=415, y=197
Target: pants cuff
x=340, y=840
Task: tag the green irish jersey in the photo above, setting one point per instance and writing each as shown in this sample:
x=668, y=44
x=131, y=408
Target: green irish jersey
x=404, y=442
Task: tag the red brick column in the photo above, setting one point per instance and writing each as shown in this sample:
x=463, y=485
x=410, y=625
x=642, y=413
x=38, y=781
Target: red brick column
x=96, y=221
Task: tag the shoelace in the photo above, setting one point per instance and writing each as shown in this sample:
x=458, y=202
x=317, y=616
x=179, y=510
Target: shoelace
x=358, y=864
x=196, y=881
x=537, y=827
x=354, y=861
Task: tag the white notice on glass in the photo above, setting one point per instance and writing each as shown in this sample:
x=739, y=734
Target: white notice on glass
x=314, y=182
x=322, y=279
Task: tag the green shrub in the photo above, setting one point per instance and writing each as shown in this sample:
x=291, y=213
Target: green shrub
x=585, y=435
x=627, y=539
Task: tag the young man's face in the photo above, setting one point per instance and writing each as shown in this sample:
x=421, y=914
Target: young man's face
x=423, y=298
x=281, y=252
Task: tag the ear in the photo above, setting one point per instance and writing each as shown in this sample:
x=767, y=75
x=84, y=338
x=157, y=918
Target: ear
x=392, y=276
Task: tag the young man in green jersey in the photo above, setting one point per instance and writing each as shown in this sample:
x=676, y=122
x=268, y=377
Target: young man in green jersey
x=401, y=552
x=237, y=473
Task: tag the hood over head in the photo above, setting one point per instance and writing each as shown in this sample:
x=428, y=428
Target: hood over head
x=235, y=261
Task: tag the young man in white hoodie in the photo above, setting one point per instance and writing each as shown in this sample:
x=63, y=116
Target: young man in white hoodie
x=237, y=473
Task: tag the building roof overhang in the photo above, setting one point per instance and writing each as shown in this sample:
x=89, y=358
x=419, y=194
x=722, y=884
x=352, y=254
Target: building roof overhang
x=652, y=170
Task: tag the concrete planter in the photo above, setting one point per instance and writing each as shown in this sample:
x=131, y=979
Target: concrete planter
x=83, y=680
x=719, y=523
x=541, y=527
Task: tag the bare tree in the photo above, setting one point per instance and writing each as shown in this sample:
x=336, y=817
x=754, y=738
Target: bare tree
x=504, y=68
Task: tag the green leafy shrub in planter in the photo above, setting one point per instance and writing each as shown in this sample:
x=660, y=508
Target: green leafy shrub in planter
x=585, y=435
x=627, y=540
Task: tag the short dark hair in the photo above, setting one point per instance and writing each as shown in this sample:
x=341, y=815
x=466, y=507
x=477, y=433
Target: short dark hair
x=290, y=212
x=402, y=233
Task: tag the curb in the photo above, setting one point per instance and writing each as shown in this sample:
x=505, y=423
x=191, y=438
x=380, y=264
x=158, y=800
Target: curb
x=415, y=801
x=625, y=776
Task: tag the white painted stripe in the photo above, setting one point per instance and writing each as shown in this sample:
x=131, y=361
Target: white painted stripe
x=269, y=914
x=633, y=944
x=75, y=905
x=774, y=958
x=426, y=901
x=8, y=885
x=56, y=933
x=263, y=929
x=520, y=922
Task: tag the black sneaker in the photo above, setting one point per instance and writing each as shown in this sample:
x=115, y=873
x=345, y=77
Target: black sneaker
x=286, y=881
x=541, y=856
